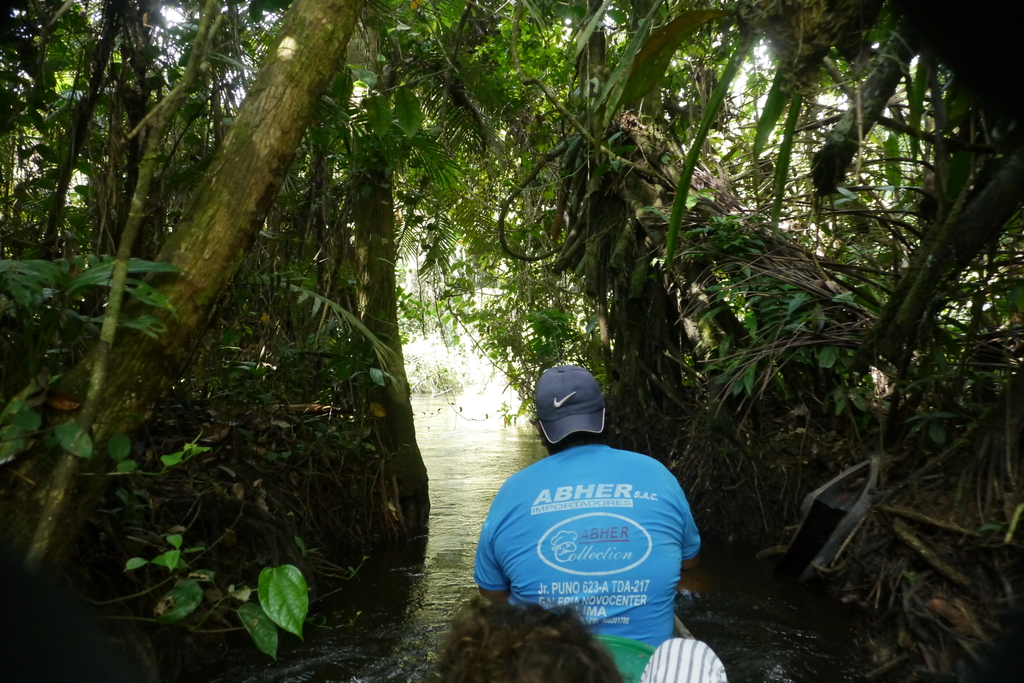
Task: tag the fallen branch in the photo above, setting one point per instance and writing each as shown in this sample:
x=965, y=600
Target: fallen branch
x=887, y=667
x=925, y=519
x=907, y=535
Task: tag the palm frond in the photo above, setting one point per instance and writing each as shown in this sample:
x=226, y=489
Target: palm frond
x=443, y=236
x=295, y=283
x=440, y=167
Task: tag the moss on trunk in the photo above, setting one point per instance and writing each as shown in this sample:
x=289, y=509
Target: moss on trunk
x=208, y=246
x=373, y=212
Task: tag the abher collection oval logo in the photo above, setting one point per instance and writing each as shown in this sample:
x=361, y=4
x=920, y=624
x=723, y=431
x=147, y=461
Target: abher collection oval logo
x=595, y=544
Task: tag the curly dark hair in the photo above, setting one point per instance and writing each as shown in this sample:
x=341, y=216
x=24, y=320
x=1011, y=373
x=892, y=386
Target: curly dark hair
x=500, y=643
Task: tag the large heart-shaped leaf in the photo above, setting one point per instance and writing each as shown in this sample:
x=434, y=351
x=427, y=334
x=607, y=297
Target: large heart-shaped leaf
x=74, y=439
x=179, y=602
x=260, y=627
x=407, y=111
x=27, y=420
x=119, y=446
x=284, y=597
x=378, y=114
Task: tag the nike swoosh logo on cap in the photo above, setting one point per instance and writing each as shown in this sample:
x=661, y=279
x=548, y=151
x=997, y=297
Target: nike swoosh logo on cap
x=558, y=404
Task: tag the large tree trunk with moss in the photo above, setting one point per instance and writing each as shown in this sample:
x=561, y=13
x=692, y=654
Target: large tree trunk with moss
x=373, y=212
x=208, y=246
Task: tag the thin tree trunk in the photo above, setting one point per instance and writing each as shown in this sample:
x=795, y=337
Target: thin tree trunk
x=79, y=128
x=830, y=163
x=208, y=246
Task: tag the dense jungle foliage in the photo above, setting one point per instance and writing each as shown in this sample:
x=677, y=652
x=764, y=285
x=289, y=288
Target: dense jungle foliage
x=785, y=235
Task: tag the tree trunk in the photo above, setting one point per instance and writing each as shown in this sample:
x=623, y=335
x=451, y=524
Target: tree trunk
x=373, y=212
x=942, y=259
x=208, y=246
x=830, y=163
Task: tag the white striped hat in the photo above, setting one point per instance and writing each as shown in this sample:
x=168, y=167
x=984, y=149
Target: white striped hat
x=684, y=660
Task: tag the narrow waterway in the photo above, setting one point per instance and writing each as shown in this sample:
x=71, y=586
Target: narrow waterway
x=387, y=622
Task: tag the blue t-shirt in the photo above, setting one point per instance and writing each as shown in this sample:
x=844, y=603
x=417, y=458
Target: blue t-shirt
x=603, y=530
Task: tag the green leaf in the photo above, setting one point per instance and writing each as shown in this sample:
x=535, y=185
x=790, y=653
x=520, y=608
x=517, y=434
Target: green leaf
x=27, y=420
x=958, y=103
x=119, y=446
x=959, y=171
x=656, y=54
x=175, y=540
x=126, y=466
x=845, y=298
x=260, y=628
x=915, y=101
x=842, y=401
x=611, y=96
x=937, y=433
x=748, y=378
x=241, y=594
x=179, y=602
x=827, y=356
x=693, y=155
x=171, y=559
x=377, y=375
x=10, y=443
x=172, y=459
x=195, y=449
x=796, y=302
x=148, y=295
x=584, y=35
x=782, y=163
x=301, y=545
x=134, y=563
x=284, y=596
x=774, y=105
x=618, y=16
x=892, y=167
x=17, y=404
x=26, y=281
x=99, y=275
x=378, y=114
x=407, y=111
x=149, y=325
x=74, y=439
x=366, y=76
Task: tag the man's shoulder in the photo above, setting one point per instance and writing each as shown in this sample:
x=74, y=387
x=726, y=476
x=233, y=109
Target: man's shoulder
x=638, y=459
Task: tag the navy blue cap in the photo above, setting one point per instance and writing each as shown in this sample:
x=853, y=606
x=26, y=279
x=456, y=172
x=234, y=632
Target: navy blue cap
x=569, y=400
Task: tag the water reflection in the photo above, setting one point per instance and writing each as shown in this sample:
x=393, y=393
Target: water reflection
x=767, y=628
x=386, y=624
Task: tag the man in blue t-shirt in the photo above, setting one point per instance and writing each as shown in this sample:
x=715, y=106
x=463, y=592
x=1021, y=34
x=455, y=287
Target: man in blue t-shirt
x=604, y=530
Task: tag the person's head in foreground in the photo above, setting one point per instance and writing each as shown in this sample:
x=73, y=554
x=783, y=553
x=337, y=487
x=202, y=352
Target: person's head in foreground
x=570, y=408
x=684, y=660
x=501, y=643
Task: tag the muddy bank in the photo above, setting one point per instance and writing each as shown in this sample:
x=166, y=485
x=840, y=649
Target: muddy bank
x=290, y=484
x=932, y=573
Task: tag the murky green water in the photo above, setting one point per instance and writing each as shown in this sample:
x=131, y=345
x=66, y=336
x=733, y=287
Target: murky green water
x=386, y=624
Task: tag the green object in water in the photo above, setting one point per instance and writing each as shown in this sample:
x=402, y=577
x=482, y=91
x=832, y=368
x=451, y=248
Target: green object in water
x=630, y=655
